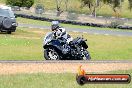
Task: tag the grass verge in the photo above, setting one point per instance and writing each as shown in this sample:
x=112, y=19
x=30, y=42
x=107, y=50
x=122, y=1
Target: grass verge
x=27, y=45
x=47, y=80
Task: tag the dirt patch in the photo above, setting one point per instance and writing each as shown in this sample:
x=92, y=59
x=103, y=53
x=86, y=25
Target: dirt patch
x=18, y=68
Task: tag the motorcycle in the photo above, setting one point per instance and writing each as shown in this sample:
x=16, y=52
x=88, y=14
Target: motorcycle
x=58, y=49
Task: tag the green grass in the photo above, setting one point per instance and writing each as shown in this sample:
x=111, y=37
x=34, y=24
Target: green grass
x=44, y=23
x=74, y=6
x=46, y=80
x=2, y=1
x=27, y=45
x=109, y=47
x=21, y=45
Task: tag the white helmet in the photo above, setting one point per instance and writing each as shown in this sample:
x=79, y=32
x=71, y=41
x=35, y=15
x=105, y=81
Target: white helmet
x=55, y=25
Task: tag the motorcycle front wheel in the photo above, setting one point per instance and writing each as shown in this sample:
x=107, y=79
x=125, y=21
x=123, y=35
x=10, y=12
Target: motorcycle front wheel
x=51, y=54
x=86, y=55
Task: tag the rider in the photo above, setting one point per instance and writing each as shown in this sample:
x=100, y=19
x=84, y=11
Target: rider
x=60, y=32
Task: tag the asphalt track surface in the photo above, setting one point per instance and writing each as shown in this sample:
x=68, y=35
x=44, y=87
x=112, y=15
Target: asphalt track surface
x=90, y=31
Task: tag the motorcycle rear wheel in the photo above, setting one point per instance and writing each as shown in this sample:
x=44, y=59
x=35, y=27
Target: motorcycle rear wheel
x=51, y=54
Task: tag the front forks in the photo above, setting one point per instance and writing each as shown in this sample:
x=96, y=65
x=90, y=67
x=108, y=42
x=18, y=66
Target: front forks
x=85, y=53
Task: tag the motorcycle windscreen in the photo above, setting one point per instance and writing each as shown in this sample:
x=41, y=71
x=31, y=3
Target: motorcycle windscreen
x=48, y=37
